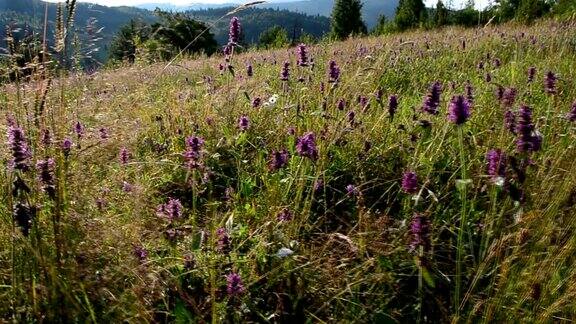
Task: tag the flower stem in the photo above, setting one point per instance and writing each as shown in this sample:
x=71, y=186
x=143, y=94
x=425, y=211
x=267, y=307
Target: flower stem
x=463, y=212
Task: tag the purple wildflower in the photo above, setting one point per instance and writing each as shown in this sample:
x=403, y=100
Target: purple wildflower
x=234, y=32
x=24, y=215
x=79, y=129
x=278, y=160
x=67, y=146
x=249, y=70
x=284, y=215
x=392, y=105
x=234, y=284
x=171, y=210
x=20, y=152
x=510, y=121
x=509, y=97
x=285, y=73
x=302, y=55
x=419, y=233
x=379, y=93
x=410, y=182
x=341, y=104
x=488, y=77
x=127, y=187
x=550, y=82
x=124, y=155
x=103, y=133
x=351, y=115
x=352, y=190
x=531, y=74
x=364, y=103
x=528, y=139
x=46, y=138
x=496, y=62
x=243, y=123
x=496, y=165
x=318, y=186
x=432, y=100
x=256, y=102
x=469, y=92
x=333, y=71
x=572, y=113
x=46, y=176
x=459, y=110
x=193, y=152
x=223, y=244
x=140, y=252
x=306, y=146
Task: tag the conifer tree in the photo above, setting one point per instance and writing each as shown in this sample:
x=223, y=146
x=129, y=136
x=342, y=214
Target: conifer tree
x=409, y=14
x=347, y=19
x=440, y=14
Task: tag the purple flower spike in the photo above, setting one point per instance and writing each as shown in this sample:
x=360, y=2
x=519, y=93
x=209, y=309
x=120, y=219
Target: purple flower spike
x=432, y=100
x=46, y=176
x=508, y=97
x=171, y=210
x=341, y=104
x=46, y=138
x=459, y=110
x=550, y=82
x=302, y=55
x=410, y=182
x=419, y=233
x=528, y=139
x=243, y=123
x=234, y=32
x=141, y=253
x=284, y=215
x=20, y=152
x=352, y=190
x=193, y=152
x=285, y=73
x=103, y=133
x=67, y=146
x=124, y=156
x=496, y=165
x=572, y=113
x=249, y=70
x=392, y=105
x=234, y=285
x=469, y=93
x=278, y=160
x=531, y=74
x=510, y=121
x=79, y=129
x=223, y=244
x=333, y=72
x=306, y=146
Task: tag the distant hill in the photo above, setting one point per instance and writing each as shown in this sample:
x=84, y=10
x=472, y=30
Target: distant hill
x=27, y=16
x=371, y=11
x=256, y=20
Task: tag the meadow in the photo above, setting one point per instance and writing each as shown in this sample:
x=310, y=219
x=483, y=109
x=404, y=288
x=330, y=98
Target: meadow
x=419, y=177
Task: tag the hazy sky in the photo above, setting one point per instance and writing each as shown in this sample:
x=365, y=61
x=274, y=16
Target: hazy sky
x=455, y=3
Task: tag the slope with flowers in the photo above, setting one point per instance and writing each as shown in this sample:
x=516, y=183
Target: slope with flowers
x=419, y=177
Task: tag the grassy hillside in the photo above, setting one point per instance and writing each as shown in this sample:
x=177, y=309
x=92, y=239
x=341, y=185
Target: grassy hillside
x=189, y=194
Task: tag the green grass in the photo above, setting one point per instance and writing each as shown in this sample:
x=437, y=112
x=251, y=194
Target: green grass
x=351, y=260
